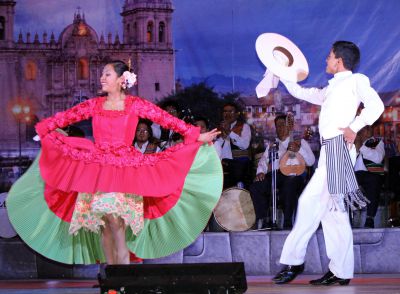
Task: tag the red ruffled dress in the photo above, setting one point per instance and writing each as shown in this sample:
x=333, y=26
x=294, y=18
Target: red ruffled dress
x=165, y=198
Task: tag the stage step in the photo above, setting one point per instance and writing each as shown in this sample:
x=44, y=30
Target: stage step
x=375, y=250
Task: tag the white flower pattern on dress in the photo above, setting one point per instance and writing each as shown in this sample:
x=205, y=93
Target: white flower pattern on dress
x=90, y=208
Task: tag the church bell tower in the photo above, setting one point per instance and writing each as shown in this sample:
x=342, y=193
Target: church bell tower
x=147, y=30
x=7, y=23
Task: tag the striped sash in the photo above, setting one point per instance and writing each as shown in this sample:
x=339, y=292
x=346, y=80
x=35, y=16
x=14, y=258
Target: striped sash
x=342, y=182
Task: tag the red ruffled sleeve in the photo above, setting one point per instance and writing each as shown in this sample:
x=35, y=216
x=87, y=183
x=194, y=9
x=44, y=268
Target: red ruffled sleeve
x=146, y=109
x=82, y=111
x=78, y=164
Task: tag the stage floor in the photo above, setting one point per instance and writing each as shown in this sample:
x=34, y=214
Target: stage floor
x=366, y=284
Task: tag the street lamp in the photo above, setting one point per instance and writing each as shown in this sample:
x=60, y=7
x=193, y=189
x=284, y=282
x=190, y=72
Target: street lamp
x=22, y=112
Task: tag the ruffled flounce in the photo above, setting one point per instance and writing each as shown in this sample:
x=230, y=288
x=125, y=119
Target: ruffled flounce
x=180, y=226
x=77, y=164
x=42, y=230
x=171, y=223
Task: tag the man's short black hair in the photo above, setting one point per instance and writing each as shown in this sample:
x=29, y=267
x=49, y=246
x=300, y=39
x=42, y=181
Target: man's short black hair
x=202, y=118
x=348, y=51
x=170, y=103
x=148, y=123
x=280, y=116
x=232, y=104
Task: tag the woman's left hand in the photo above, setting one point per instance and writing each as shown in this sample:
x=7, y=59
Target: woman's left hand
x=209, y=136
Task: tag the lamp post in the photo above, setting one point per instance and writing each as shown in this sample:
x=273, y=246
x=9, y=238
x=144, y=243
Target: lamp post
x=22, y=112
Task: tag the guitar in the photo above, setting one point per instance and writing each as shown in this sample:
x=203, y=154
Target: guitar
x=292, y=163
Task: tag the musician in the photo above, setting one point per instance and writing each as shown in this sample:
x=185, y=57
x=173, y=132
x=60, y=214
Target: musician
x=369, y=169
x=234, y=143
x=144, y=138
x=289, y=187
x=166, y=137
x=203, y=123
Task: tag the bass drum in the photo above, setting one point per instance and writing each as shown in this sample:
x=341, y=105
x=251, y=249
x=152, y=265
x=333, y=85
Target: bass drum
x=235, y=211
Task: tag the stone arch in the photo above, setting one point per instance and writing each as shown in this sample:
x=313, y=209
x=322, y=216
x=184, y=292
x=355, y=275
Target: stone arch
x=31, y=70
x=161, y=32
x=83, y=69
x=149, y=31
x=2, y=28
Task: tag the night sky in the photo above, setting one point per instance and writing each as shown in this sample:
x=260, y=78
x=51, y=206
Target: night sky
x=218, y=36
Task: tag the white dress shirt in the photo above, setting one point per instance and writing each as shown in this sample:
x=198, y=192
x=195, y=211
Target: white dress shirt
x=375, y=155
x=339, y=102
x=144, y=146
x=156, y=128
x=305, y=151
x=242, y=141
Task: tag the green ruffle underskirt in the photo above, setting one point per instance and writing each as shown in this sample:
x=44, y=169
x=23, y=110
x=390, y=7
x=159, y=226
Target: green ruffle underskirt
x=47, y=234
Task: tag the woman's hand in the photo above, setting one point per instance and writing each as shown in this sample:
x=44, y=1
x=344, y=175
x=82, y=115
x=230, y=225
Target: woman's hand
x=209, y=136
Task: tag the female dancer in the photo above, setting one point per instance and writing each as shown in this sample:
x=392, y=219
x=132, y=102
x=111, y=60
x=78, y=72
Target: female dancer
x=79, y=194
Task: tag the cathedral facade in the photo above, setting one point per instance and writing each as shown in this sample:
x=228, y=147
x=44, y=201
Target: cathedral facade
x=45, y=74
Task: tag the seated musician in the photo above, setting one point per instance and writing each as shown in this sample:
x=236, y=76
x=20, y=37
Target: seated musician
x=166, y=137
x=369, y=169
x=144, y=138
x=290, y=186
x=234, y=143
x=202, y=123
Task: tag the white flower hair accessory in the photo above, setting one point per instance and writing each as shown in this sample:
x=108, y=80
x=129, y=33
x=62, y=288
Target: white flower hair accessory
x=129, y=79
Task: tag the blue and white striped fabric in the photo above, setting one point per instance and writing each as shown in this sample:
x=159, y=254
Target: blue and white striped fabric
x=342, y=182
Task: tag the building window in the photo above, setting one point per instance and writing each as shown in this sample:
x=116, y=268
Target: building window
x=2, y=28
x=157, y=87
x=134, y=32
x=149, y=32
x=161, y=33
x=30, y=70
x=82, y=30
x=83, y=69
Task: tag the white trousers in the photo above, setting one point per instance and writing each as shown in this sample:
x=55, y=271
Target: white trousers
x=315, y=206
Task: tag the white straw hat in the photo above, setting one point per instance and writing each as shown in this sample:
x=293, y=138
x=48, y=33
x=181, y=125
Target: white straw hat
x=282, y=57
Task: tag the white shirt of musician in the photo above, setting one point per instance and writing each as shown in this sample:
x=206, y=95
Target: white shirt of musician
x=156, y=128
x=375, y=155
x=339, y=102
x=305, y=151
x=144, y=146
x=242, y=141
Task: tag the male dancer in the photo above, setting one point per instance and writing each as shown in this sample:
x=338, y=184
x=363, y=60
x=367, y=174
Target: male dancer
x=333, y=187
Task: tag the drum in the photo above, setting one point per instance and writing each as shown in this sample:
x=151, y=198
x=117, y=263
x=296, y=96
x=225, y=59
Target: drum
x=235, y=211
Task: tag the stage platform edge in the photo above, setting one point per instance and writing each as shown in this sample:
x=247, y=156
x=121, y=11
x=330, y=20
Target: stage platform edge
x=376, y=251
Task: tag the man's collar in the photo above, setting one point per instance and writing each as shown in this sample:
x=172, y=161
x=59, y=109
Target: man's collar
x=282, y=141
x=143, y=146
x=340, y=75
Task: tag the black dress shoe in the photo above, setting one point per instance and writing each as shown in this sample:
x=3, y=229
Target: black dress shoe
x=262, y=225
x=287, y=225
x=369, y=223
x=288, y=274
x=329, y=279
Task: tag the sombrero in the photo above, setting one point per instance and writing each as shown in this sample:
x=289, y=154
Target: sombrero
x=282, y=57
